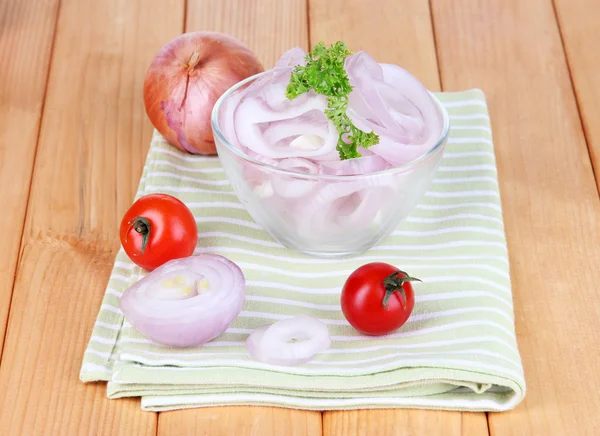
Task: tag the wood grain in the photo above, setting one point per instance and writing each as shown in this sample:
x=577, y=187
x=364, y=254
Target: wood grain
x=474, y=424
x=394, y=31
x=269, y=28
x=580, y=32
x=403, y=422
x=400, y=33
x=93, y=139
x=59, y=285
x=239, y=421
x=26, y=28
x=551, y=207
x=92, y=145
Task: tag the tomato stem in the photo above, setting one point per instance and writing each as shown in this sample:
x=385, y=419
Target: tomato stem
x=143, y=227
x=393, y=283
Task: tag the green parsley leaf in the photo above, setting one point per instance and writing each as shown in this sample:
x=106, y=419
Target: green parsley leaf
x=324, y=73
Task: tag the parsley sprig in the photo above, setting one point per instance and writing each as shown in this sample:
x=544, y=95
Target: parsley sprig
x=324, y=73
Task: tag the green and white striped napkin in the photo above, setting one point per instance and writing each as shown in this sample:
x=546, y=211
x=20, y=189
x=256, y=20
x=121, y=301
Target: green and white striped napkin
x=458, y=350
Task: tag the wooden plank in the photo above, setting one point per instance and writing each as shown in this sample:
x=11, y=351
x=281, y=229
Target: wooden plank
x=512, y=50
x=239, y=421
x=400, y=33
x=94, y=134
x=390, y=422
x=268, y=27
x=26, y=29
x=406, y=422
x=578, y=20
x=474, y=424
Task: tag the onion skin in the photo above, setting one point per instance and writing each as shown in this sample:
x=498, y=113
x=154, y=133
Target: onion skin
x=184, y=81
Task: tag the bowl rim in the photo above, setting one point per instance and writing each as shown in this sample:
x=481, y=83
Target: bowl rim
x=214, y=120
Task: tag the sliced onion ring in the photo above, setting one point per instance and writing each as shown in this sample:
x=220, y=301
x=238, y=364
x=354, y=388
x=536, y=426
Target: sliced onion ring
x=289, y=342
x=186, y=302
x=290, y=186
x=359, y=165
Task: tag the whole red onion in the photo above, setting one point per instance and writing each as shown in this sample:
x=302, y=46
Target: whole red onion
x=184, y=81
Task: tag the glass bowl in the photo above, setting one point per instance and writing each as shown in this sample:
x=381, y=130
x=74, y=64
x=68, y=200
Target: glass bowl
x=345, y=215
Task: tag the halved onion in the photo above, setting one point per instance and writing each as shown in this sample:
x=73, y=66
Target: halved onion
x=289, y=342
x=186, y=302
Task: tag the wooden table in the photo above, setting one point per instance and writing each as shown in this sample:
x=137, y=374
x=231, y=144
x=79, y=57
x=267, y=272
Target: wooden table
x=73, y=138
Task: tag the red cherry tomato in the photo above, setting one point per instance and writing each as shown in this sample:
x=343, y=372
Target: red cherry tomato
x=158, y=228
x=377, y=298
